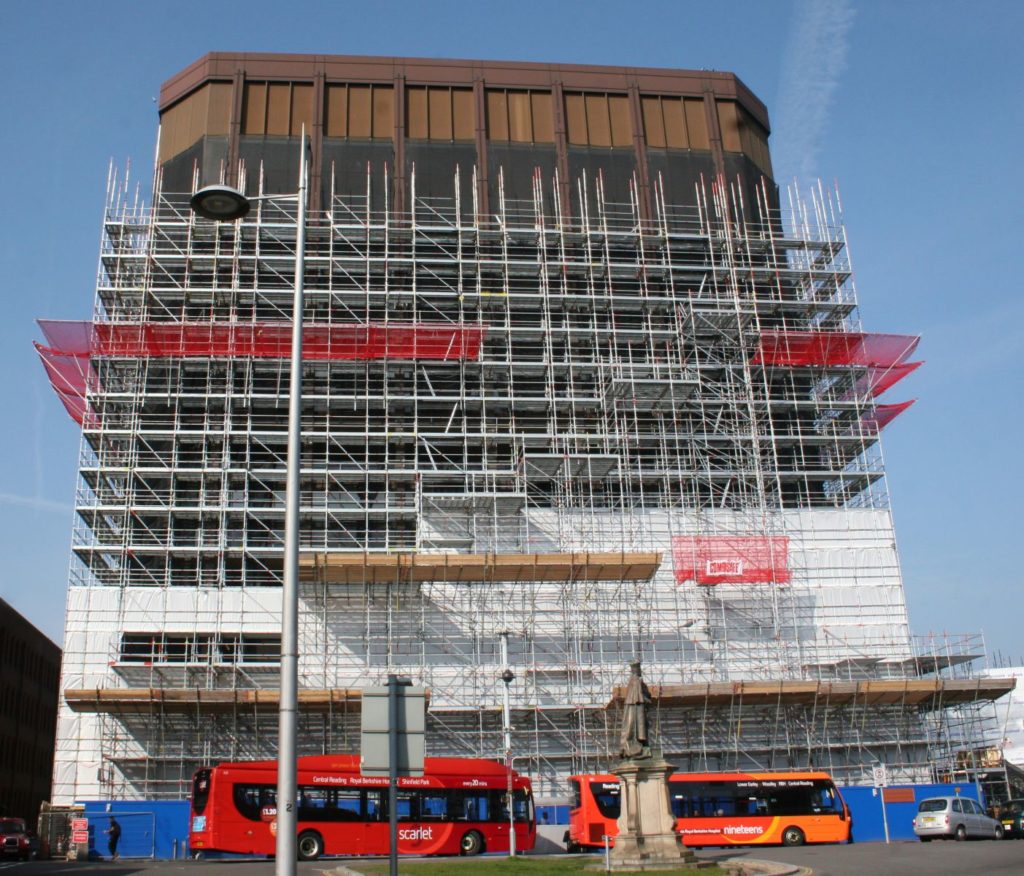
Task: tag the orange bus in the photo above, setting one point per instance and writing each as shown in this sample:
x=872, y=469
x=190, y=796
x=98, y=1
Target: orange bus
x=722, y=809
x=458, y=806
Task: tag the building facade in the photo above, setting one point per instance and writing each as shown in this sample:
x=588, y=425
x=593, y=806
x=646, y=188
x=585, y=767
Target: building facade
x=29, y=692
x=580, y=387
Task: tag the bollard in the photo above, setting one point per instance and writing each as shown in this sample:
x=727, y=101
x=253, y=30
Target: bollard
x=607, y=853
x=174, y=849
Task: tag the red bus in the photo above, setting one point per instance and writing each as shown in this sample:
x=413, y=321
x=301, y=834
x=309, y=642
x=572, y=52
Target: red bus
x=458, y=806
x=721, y=809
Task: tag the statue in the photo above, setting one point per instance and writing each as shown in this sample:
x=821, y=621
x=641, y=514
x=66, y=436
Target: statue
x=634, y=740
x=647, y=838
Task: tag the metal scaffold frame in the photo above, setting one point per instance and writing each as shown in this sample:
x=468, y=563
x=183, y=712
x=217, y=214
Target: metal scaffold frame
x=614, y=392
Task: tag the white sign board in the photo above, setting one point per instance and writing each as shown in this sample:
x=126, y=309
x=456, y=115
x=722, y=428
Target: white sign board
x=880, y=776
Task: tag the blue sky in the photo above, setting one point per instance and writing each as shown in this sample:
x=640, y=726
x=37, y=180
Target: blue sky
x=913, y=108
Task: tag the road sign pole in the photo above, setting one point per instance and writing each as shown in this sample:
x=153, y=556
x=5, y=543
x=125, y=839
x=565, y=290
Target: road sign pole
x=881, y=780
x=393, y=771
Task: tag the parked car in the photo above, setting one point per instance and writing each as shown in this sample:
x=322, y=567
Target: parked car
x=954, y=817
x=16, y=840
x=1011, y=814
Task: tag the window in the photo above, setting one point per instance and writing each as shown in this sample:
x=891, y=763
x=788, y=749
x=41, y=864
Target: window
x=361, y=112
x=439, y=113
x=277, y=108
x=607, y=795
x=519, y=116
x=598, y=120
x=674, y=122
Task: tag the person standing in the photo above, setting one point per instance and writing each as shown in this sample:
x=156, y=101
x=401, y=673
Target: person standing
x=114, y=834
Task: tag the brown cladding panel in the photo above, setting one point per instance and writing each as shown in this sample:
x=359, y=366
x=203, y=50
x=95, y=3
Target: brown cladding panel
x=499, y=74
x=383, y=112
x=336, y=123
x=278, y=108
x=654, y=123
x=576, y=119
x=302, y=108
x=520, y=119
x=728, y=121
x=360, y=112
x=543, y=122
x=254, y=113
x=697, y=124
x=675, y=124
x=599, y=129
x=219, y=117
x=622, y=128
x=463, y=115
x=497, y=115
x=439, y=106
x=416, y=113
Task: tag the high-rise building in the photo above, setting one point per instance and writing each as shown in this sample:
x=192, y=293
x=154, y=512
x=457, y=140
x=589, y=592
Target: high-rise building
x=29, y=676
x=580, y=387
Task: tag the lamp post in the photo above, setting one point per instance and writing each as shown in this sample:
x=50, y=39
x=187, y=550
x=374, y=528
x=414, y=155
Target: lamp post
x=225, y=204
x=506, y=676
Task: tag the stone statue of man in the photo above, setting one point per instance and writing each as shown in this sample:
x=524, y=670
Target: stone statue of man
x=634, y=739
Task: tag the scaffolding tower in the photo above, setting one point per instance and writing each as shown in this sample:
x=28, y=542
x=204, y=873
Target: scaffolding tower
x=597, y=436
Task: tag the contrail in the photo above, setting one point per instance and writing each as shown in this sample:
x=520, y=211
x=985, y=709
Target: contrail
x=814, y=63
x=35, y=504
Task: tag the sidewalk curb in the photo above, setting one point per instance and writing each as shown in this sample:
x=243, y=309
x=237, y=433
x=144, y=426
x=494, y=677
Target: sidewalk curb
x=768, y=868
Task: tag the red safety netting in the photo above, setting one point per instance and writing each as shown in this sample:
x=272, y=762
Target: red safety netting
x=731, y=559
x=274, y=340
x=72, y=344
x=878, y=380
x=795, y=349
x=883, y=415
x=68, y=375
x=67, y=336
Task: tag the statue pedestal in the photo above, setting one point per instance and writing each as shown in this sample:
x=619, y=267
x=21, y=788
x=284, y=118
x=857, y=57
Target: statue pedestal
x=647, y=838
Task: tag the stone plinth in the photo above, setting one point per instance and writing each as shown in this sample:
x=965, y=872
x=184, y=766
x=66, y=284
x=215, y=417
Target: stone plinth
x=647, y=837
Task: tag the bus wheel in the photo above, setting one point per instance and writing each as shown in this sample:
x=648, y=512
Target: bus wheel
x=793, y=836
x=472, y=844
x=311, y=845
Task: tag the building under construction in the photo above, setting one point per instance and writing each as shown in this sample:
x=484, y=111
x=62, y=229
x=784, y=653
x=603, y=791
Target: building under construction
x=580, y=387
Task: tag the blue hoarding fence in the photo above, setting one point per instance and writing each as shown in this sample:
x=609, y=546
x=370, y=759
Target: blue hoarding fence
x=866, y=808
x=149, y=828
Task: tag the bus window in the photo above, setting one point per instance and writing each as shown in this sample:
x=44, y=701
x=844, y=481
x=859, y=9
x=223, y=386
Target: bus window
x=520, y=806
x=607, y=797
x=373, y=805
x=473, y=807
x=406, y=804
x=434, y=805
x=200, y=791
x=250, y=800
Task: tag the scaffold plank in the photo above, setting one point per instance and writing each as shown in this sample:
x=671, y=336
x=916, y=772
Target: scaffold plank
x=930, y=692
x=417, y=568
x=126, y=700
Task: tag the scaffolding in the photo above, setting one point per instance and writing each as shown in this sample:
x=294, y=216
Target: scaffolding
x=600, y=436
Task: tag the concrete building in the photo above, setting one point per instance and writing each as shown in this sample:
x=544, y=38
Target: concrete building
x=29, y=692
x=579, y=384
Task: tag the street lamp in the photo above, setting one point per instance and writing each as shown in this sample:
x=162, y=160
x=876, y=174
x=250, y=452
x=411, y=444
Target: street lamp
x=506, y=676
x=225, y=204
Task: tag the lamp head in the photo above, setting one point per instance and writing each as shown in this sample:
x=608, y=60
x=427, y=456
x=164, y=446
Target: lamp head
x=220, y=203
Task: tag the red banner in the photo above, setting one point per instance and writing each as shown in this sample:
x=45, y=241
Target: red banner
x=731, y=559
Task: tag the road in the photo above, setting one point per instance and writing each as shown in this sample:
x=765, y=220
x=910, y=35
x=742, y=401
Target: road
x=980, y=858
x=874, y=859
